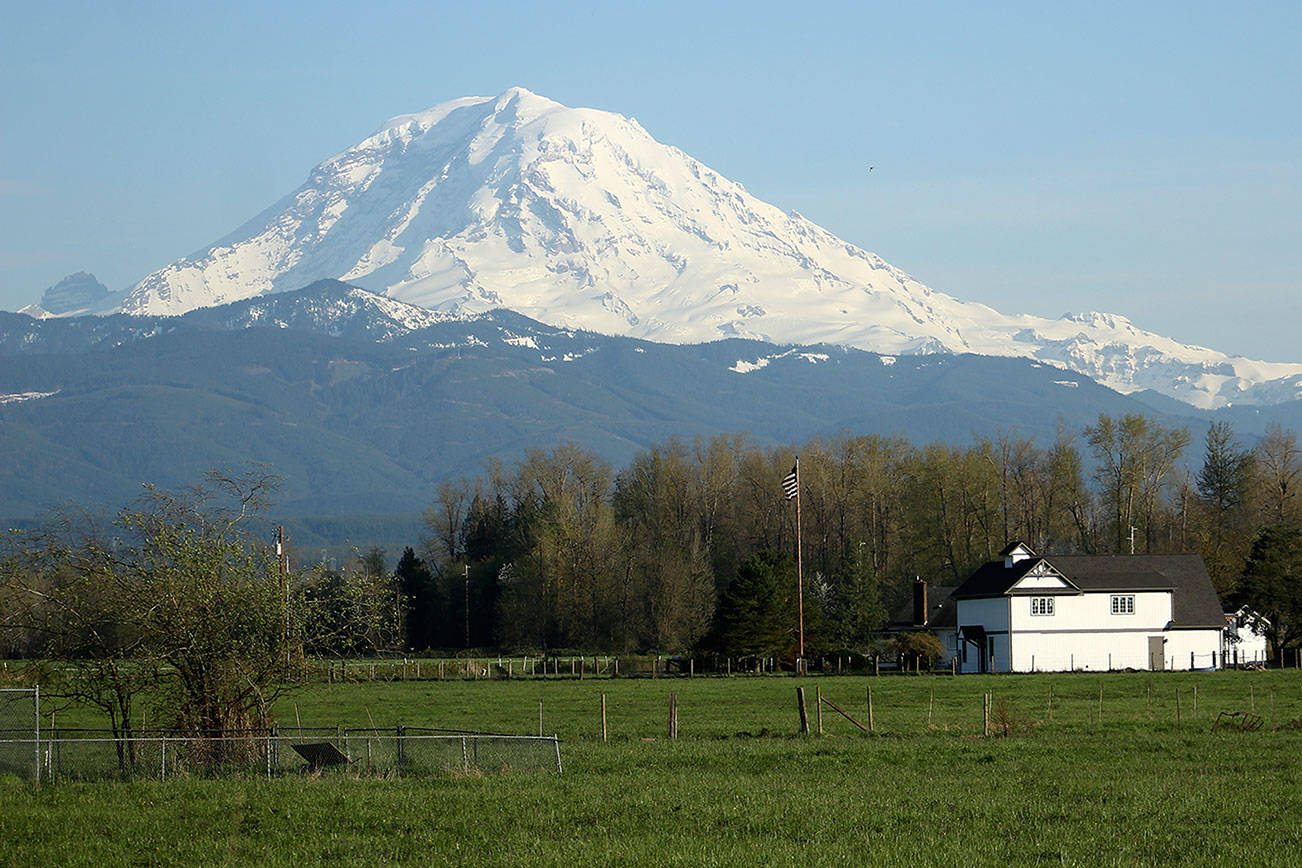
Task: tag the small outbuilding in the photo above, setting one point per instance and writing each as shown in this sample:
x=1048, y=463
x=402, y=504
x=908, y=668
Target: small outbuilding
x=931, y=610
x=1244, y=640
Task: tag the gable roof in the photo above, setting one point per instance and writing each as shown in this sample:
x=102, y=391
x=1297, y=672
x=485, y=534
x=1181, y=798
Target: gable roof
x=993, y=578
x=1194, y=600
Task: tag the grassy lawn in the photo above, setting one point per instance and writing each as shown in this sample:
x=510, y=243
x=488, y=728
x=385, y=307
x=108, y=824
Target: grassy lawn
x=739, y=786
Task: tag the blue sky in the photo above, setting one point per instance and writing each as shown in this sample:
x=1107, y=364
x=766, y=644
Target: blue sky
x=1140, y=158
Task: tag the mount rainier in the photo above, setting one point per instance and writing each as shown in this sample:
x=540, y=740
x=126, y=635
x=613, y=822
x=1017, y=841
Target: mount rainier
x=579, y=218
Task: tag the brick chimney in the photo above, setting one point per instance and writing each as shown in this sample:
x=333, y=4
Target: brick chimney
x=920, y=613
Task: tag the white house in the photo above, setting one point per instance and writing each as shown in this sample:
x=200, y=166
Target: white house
x=1026, y=613
x=1244, y=641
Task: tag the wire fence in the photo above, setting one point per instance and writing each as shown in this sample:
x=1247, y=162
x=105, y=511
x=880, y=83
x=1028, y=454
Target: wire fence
x=20, y=727
x=579, y=667
x=64, y=754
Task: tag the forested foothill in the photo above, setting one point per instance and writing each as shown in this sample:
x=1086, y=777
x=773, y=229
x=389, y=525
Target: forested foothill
x=691, y=545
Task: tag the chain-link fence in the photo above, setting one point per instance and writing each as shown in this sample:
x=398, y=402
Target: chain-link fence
x=401, y=751
x=20, y=723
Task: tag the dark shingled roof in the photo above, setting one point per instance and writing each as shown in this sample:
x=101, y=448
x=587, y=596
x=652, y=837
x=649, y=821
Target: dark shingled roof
x=1195, y=602
x=941, y=611
x=993, y=578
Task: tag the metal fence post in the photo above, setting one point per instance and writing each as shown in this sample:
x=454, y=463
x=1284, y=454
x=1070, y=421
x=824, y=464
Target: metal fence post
x=557, y=742
x=36, y=731
x=465, y=759
x=163, y=742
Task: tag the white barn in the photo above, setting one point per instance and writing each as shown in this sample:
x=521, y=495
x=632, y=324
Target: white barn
x=1026, y=613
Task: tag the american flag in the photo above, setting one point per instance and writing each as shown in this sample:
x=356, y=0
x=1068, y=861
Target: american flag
x=791, y=483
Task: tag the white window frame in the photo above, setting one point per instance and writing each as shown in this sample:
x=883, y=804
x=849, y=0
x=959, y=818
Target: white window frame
x=1123, y=604
x=1042, y=606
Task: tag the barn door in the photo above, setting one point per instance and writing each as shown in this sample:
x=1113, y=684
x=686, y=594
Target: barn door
x=1156, y=653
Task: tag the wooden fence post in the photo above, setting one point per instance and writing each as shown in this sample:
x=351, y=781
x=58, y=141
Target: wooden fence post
x=673, y=715
x=1177, y=709
x=872, y=727
x=603, y=718
x=804, y=713
x=985, y=713
x=818, y=708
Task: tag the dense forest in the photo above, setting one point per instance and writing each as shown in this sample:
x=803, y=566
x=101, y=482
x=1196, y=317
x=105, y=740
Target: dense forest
x=691, y=546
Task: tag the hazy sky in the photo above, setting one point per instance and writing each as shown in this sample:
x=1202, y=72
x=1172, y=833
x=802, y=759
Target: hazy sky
x=1138, y=158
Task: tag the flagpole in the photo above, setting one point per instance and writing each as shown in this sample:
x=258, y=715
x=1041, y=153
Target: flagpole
x=800, y=581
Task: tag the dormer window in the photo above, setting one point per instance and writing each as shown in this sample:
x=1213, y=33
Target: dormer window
x=1015, y=553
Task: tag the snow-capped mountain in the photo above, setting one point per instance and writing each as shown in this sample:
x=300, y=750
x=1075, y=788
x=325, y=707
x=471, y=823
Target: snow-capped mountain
x=579, y=218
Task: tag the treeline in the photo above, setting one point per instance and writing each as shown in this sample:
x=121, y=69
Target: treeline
x=690, y=546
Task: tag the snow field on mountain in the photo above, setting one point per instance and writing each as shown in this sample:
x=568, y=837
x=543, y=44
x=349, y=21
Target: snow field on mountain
x=579, y=218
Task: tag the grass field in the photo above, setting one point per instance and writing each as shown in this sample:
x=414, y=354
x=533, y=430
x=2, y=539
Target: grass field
x=739, y=786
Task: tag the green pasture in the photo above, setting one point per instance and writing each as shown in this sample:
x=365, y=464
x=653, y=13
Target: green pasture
x=933, y=706
x=739, y=786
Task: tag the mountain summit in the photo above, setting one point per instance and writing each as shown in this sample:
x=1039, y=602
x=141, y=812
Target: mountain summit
x=579, y=218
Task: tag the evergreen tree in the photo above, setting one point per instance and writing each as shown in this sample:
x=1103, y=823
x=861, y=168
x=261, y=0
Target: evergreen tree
x=1272, y=583
x=757, y=613
x=421, y=595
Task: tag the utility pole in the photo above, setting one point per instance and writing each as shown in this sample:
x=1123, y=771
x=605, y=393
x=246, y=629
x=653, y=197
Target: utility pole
x=1132, y=538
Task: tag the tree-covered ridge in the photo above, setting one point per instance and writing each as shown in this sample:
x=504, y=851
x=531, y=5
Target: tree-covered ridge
x=676, y=550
